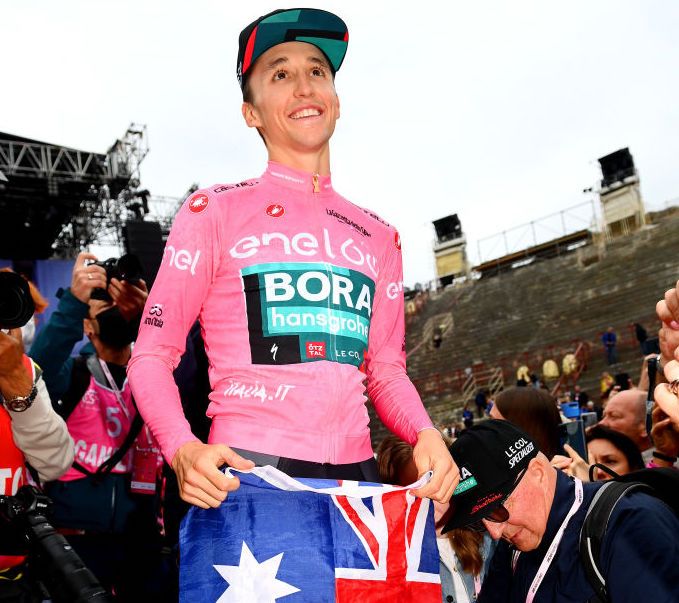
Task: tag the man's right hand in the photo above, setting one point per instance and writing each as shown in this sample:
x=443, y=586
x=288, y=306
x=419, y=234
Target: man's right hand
x=201, y=483
x=86, y=277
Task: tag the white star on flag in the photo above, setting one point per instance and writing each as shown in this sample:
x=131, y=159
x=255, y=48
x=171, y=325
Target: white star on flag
x=253, y=581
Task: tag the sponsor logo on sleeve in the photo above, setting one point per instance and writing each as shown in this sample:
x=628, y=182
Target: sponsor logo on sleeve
x=397, y=240
x=303, y=312
x=153, y=319
x=275, y=210
x=394, y=289
x=198, y=203
x=182, y=259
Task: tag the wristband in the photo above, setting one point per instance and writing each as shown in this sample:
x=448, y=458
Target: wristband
x=664, y=457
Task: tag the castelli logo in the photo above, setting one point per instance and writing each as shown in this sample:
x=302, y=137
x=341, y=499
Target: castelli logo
x=397, y=240
x=275, y=210
x=198, y=203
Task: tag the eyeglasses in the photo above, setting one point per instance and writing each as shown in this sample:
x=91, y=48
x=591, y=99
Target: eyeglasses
x=499, y=514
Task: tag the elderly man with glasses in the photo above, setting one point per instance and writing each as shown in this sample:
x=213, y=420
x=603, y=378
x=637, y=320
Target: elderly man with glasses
x=509, y=488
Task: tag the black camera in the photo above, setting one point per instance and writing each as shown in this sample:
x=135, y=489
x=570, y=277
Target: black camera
x=25, y=529
x=125, y=268
x=16, y=303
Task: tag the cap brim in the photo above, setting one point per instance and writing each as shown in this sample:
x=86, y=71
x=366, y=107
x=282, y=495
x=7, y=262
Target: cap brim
x=462, y=510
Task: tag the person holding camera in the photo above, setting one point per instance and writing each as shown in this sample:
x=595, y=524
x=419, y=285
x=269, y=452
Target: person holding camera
x=102, y=502
x=30, y=431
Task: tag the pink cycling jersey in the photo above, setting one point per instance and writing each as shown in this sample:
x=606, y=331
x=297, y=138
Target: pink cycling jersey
x=299, y=296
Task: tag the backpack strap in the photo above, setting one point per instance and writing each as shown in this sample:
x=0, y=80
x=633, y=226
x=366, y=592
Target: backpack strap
x=95, y=370
x=594, y=529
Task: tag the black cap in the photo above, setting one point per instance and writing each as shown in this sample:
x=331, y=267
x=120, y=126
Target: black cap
x=321, y=28
x=492, y=456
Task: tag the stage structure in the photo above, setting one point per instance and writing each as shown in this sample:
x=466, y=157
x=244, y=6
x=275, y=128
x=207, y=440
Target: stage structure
x=450, y=250
x=621, y=202
x=56, y=200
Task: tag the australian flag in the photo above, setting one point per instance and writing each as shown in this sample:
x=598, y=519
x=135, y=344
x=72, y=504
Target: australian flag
x=282, y=539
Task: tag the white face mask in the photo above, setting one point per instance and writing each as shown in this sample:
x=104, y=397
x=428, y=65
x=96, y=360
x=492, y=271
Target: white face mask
x=28, y=333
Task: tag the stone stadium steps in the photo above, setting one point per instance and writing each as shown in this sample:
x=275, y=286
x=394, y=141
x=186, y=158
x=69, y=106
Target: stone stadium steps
x=549, y=303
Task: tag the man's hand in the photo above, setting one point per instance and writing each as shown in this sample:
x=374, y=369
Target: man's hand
x=201, y=483
x=665, y=437
x=665, y=399
x=431, y=453
x=667, y=310
x=14, y=378
x=129, y=298
x=86, y=278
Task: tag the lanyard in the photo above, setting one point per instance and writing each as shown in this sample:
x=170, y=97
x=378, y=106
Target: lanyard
x=551, y=552
x=112, y=384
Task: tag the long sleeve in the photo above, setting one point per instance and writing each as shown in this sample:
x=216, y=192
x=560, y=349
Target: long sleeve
x=52, y=348
x=190, y=259
x=395, y=398
x=41, y=434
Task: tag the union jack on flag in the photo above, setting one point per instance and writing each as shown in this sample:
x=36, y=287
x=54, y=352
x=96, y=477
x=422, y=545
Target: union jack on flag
x=282, y=539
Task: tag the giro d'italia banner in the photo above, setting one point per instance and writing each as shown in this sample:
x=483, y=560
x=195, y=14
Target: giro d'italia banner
x=307, y=311
x=303, y=540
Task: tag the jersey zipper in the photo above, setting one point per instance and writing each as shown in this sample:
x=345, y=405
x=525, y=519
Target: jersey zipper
x=330, y=452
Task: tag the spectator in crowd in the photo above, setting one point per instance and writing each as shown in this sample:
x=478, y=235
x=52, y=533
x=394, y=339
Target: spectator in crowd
x=105, y=507
x=606, y=382
x=464, y=553
x=467, y=416
x=613, y=450
x=641, y=336
x=577, y=395
x=626, y=412
x=550, y=370
x=522, y=376
x=610, y=340
x=538, y=512
x=481, y=401
x=30, y=431
x=533, y=410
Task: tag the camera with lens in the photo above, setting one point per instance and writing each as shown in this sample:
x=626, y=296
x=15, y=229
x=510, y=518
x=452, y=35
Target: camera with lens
x=16, y=303
x=125, y=268
x=24, y=529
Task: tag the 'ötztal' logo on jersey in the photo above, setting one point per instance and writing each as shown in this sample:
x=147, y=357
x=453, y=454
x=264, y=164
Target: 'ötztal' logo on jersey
x=198, y=203
x=275, y=210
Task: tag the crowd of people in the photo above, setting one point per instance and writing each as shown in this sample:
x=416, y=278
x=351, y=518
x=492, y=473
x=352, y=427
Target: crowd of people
x=205, y=370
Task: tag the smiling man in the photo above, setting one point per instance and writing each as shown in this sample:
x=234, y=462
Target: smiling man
x=294, y=289
x=509, y=488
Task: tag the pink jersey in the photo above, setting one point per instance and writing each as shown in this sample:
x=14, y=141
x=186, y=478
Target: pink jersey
x=299, y=295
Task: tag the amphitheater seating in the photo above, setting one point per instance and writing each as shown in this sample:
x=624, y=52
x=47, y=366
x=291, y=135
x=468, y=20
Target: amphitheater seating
x=542, y=310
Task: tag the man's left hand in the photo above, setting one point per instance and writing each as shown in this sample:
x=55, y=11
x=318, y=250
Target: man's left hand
x=129, y=298
x=431, y=454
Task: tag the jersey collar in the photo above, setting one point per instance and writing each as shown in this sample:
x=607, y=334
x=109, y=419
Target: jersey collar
x=280, y=174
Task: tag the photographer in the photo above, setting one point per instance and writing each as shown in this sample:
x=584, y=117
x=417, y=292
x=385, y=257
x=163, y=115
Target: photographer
x=102, y=503
x=30, y=431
